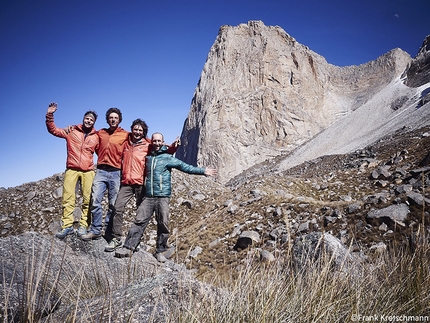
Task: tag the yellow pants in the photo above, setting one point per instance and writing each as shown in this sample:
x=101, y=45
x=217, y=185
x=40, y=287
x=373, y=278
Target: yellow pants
x=71, y=177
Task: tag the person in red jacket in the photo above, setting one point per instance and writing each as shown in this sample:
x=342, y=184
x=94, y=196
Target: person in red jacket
x=133, y=169
x=133, y=157
x=81, y=144
x=108, y=172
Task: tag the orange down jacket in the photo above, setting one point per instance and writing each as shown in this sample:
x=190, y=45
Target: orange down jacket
x=80, y=147
x=134, y=160
x=111, y=146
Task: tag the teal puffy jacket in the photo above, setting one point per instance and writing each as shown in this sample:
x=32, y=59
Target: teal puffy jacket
x=158, y=177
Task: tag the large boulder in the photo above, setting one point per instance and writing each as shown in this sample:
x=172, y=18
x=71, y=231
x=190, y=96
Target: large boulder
x=43, y=277
x=392, y=215
x=323, y=248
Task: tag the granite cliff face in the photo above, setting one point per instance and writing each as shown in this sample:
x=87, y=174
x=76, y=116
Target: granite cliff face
x=418, y=73
x=261, y=94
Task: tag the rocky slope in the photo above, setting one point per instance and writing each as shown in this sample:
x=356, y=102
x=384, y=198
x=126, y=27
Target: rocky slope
x=371, y=200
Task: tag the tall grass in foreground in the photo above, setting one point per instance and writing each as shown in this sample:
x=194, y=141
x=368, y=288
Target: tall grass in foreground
x=395, y=283
x=38, y=285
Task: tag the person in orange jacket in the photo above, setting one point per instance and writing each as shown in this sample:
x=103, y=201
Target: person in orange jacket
x=133, y=169
x=82, y=142
x=108, y=172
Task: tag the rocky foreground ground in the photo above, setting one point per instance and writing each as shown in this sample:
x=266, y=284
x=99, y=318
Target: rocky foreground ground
x=358, y=204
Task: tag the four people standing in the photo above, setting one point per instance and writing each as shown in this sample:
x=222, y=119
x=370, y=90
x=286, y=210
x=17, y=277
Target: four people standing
x=120, y=172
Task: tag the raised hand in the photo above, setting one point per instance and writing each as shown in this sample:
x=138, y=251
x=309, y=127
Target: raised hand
x=177, y=142
x=52, y=107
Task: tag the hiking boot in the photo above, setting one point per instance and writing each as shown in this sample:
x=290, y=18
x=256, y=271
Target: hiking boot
x=91, y=236
x=113, y=244
x=160, y=257
x=65, y=232
x=81, y=231
x=123, y=252
x=137, y=248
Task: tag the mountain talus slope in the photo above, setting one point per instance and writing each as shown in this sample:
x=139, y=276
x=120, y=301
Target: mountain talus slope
x=367, y=124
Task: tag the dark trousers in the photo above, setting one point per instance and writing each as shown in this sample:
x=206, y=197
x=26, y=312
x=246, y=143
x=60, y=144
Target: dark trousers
x=126, y=192
x=150, y=205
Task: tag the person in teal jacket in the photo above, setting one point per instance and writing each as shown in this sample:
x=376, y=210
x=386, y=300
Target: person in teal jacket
x=158, y=189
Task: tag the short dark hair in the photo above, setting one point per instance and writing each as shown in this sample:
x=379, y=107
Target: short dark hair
x=142, y=124
x=114, y=110
x=91, y=112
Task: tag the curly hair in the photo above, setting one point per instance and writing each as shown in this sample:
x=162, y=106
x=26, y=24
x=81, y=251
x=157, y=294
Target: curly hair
x=142, y=124
x=114, y=110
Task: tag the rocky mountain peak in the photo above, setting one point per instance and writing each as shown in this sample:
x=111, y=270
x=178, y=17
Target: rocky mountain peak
x=262, y=94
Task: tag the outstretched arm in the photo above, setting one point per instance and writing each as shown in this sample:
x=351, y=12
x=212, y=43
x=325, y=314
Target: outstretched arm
x=186, y=168
x=50, y=122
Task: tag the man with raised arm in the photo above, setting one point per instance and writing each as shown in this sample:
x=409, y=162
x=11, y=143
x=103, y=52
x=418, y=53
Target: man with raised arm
x=81, y=144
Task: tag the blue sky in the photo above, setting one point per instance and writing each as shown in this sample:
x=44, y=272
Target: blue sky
x=145, y=57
